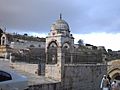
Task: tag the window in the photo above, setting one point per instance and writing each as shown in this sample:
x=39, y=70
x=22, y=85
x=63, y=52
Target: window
x=66, y=46
x=3, y=40
x=3, y=37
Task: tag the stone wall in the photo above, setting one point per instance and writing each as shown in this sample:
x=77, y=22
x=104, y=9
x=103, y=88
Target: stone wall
x=30, y=68
x=53, y=71
x=85, y=57
x=49, y=86
x=3, y=50
x=83, y=77
x=24, y=44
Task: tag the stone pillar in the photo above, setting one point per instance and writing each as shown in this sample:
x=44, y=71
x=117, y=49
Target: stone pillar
x=54, y=70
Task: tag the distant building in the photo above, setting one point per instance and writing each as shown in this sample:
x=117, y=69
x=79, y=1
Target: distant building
x=15, y=43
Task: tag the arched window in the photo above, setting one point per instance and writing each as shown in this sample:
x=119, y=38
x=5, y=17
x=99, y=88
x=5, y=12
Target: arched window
x=52, y=53
x=52, y=45
x=66, y=46
x=3, y=40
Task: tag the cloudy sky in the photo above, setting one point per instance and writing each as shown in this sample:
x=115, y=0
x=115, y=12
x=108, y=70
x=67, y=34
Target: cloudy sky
x=95, y=21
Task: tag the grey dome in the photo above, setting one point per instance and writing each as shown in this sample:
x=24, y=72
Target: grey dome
x=60, y=25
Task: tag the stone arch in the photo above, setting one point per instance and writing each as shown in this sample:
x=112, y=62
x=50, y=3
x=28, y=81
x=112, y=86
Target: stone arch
x=66, y=50
x=115, y=72
x=52, y=52
x=52, y=44
x=116, y=76
x=114, y=69
x=66, y=45
x=3, y=39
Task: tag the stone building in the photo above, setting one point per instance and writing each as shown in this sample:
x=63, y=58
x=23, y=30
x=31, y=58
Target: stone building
x=20, y=45
x=3, y=47
x=76, y=67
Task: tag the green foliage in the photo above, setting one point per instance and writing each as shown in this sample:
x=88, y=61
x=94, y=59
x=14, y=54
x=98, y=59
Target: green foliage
x=80, y=42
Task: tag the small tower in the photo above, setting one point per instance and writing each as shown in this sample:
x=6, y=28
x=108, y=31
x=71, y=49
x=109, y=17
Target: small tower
x=4, y=39
x=58, y=39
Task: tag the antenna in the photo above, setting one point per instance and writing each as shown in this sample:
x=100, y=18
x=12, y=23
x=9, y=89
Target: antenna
x=60, y=16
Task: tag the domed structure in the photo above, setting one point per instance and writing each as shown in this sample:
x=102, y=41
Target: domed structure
x=60, y=24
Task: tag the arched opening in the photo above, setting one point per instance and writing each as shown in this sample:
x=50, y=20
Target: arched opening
x=116, y=76
x=52, y=53
x=66, y=45
x=3, y=40
x=66, y=50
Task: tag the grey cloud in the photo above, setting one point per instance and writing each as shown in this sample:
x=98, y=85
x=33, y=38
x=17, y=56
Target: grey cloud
x=83, y=16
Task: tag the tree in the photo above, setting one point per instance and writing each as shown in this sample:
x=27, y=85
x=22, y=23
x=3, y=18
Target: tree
x=80, y=42
x=109, y=50
x=25, y=34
